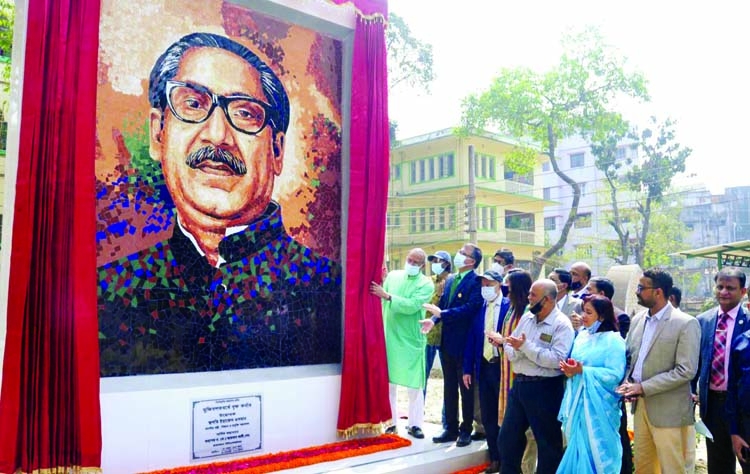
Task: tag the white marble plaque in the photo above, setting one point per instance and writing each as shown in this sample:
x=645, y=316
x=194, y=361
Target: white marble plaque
x=226, y=426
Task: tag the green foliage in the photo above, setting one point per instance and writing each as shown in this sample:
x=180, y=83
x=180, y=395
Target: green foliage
x=409, y=62
x=7, y=20
x=521, y=160
x=409, y=59
x=665, y=158
x=642, y=184
x=666, y=236
x=574, y=98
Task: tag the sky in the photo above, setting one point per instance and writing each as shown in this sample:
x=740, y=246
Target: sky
x=694, y=55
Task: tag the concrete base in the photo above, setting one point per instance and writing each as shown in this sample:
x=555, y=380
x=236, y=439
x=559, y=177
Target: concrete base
x=423, y=456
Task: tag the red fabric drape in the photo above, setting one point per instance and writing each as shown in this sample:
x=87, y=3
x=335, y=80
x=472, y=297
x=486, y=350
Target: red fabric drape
x=364, y=385
x=49, y=405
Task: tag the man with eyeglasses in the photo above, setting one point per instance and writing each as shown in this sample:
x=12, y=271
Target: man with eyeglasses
x=456, y=311
x=721, y=327
x=230, y=289
x=565, y=301
x=663, y=346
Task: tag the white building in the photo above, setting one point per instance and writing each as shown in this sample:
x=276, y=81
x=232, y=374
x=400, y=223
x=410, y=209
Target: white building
x=575, y=159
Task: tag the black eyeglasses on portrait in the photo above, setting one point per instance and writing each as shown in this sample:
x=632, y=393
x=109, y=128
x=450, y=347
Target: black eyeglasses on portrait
x=193, y=103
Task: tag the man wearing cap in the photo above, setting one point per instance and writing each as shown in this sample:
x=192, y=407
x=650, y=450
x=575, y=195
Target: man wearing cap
x=456, y=311
x=481, y=359
x=440, y=265
x=403, y=293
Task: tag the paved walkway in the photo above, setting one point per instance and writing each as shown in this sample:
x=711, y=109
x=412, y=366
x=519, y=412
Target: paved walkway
x=434, y=406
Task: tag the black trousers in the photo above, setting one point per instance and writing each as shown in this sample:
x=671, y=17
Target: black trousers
x=532, y=404
x=745, y=432
x=721, y=459
x=452, y=385
x=489, y=392
x=627, y=450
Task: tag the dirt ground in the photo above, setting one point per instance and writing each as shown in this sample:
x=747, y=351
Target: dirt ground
x=434, y=405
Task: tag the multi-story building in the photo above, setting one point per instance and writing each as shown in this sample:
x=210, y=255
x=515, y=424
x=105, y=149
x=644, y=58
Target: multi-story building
x=738, y=212
x=575, y=159
x=429, y=201
x=710, y=219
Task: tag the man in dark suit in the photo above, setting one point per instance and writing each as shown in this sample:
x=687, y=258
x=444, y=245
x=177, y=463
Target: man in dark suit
x=481, y=359
x=460, y=304
x=230, y=289
x=721, y=326
x=738, y=396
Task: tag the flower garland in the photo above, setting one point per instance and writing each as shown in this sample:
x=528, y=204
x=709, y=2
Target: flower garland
x=292, y=459
x=473, y=470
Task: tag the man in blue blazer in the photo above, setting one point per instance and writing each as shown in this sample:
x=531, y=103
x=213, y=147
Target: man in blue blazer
x=459, y=305
x=721, y=327
x=481, y=359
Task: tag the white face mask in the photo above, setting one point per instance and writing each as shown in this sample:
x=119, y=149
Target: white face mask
x=437, y=268
x=496, y=267
x=489, y=293
x=411, y=270
x=459, y=260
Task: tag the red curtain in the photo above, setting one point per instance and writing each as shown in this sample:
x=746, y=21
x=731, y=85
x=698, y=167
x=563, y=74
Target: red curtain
x=49, y=405
x=364, y=383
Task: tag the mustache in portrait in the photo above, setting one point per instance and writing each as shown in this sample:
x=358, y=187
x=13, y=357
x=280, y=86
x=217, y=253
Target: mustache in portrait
x=217, y=155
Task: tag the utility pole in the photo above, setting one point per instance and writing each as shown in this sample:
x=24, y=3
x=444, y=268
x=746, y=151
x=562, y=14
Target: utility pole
x=471, y=199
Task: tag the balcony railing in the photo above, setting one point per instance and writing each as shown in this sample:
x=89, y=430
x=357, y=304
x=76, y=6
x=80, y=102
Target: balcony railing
x=518, y=188
x=519, y=236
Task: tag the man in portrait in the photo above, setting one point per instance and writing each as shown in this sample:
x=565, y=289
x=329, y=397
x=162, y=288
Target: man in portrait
x=230, y=289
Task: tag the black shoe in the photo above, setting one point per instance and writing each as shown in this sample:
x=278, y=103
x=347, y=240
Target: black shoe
x=391, y=429
x=477, y=436
x=415, y=431
x=492, y=468
x=445, y=437
x=464, y=439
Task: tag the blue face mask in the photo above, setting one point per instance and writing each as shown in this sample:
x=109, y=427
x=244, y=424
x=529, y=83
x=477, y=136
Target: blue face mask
x=594, y=327
x=411, y=270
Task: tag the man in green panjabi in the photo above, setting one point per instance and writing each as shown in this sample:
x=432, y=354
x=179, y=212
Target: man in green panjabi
x=403, y=294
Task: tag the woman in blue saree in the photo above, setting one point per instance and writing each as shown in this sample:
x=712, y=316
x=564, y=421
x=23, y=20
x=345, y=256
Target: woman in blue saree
x=590, y=410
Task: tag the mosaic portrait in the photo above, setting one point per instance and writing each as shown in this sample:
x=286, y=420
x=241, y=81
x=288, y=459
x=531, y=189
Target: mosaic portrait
x=218, y=189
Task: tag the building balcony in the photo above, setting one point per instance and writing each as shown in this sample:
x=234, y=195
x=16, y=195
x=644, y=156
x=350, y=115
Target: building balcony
x=413, y=237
